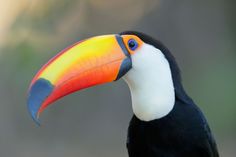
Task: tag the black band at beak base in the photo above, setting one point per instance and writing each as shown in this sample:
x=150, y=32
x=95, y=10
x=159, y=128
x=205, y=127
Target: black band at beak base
x=127, y=62
x=124, y=68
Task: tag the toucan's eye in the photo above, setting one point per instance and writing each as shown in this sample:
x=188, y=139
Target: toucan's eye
x=132, y=44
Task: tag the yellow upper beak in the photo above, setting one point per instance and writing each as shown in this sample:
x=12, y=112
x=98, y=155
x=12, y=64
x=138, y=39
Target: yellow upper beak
x=87, y=63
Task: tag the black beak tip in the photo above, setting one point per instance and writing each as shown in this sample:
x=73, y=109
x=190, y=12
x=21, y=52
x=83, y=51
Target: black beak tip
x=39, y=91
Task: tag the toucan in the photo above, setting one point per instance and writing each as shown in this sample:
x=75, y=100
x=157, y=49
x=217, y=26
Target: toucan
x=166, y=121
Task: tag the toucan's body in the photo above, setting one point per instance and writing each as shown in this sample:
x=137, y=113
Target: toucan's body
x=179, y=134
x=184, y=132
x=166, y=122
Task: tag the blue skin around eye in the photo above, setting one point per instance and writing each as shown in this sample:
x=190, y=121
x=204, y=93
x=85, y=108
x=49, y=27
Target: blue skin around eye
x=133, y=42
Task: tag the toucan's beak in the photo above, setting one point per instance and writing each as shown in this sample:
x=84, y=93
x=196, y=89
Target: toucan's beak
x=87, y=63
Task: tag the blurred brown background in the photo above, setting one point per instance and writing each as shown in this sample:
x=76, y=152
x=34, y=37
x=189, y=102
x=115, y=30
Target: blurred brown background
x=93, y=123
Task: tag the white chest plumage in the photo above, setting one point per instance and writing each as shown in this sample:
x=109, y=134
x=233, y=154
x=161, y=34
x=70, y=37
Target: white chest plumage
x=150, y=83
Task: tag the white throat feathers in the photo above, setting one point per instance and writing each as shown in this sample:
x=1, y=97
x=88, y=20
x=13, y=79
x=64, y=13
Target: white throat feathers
x=150, y=83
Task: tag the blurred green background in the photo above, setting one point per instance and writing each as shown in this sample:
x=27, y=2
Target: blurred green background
x=93, y=123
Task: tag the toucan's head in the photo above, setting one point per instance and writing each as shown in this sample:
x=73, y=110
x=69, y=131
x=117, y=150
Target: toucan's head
x=142, y=61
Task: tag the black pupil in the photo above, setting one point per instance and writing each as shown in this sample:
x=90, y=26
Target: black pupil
x=131, y=44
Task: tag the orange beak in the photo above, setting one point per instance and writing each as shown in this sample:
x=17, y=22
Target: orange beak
x=87, y=63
